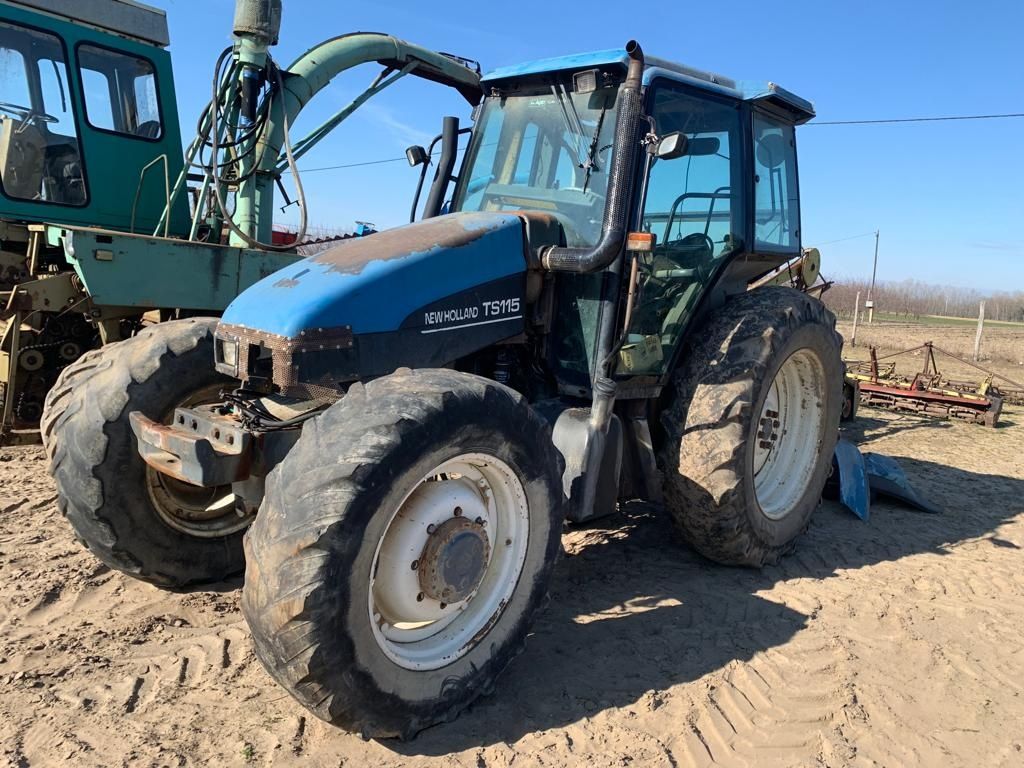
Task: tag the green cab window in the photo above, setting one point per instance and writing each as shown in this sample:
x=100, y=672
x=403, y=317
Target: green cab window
x=694, y=208
x=776, y=203
x=120, y=92
x=40, y=155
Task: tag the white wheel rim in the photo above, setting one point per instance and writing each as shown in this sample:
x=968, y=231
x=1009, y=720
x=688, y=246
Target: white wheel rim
x=410, y=626
x=789, y=434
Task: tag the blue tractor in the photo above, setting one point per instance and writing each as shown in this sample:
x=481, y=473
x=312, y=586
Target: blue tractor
x=389, y=436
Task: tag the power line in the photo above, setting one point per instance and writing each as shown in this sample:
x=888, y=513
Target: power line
x=822, y=122
x=365, y=162
x=350, y=165
x=844, y=239
x=918, y=119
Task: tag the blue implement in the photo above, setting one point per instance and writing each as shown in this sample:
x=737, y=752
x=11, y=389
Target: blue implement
x=865, y=476
x=854, y=490
x=887, y=478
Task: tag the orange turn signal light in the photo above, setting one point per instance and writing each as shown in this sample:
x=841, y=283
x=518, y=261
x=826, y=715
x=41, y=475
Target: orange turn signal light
x=640, y=241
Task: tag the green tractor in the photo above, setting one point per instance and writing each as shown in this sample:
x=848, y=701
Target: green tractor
x=404, y=422
x=105, y=227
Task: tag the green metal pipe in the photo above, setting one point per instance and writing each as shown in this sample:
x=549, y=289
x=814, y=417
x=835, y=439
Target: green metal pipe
x=302, y=147
x=304, y=79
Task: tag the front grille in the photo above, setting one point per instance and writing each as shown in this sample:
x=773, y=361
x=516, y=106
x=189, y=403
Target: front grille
x=297, y=367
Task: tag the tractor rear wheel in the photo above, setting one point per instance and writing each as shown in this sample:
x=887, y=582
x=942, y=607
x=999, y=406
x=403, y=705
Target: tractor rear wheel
x=130, y=516
x=402, y=549
x=751, y=425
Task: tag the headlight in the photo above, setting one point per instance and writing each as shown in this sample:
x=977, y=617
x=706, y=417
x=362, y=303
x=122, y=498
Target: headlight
x=226, y=356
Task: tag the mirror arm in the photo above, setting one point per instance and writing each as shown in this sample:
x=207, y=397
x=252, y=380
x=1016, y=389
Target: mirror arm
x=423, y=177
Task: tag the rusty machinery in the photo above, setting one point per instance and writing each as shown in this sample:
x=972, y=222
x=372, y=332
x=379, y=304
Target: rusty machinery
x=929, y=392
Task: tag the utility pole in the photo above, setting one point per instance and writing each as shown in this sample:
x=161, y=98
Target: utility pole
x=870, y=304
x=981, y=330
x=856, y=312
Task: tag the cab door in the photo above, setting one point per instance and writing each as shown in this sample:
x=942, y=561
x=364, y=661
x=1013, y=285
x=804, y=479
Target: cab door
x=125, y=130
x=694, y=205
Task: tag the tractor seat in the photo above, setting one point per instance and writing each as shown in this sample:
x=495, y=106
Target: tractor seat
x=149, y=130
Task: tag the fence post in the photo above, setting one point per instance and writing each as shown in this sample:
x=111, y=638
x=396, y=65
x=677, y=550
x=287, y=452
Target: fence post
x=856, y=313
x=981, y=328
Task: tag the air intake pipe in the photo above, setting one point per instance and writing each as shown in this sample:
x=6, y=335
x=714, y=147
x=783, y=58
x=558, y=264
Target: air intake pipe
x=259, y=19
x=620, y=178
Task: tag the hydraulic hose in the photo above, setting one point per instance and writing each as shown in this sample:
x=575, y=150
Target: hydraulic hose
x=300, y=192
x=620, y=177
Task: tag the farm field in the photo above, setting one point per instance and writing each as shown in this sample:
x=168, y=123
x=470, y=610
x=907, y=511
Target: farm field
x=1002, y=348
x=891, y=642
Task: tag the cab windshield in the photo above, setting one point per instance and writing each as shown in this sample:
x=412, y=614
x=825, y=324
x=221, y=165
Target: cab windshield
x=40, y=158
x=546, y=150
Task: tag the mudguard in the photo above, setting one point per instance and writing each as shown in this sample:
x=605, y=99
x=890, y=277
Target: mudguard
x=863, y=476
x=854, y=492
x=886, y=477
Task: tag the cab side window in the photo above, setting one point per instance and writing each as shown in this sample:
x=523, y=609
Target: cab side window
x=776, y=201
x=120, y=92
x=694, y=208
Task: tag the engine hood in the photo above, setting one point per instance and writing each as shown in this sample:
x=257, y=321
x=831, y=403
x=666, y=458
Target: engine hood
x=385, y=281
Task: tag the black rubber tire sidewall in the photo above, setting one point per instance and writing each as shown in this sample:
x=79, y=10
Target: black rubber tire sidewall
x=779, y=533
x=708, y=422
x=101, y=479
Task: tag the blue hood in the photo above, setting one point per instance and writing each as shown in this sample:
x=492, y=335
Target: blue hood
x=372, y=284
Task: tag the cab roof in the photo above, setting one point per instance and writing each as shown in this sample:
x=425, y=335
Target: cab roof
x=123, y=17
x=766, y=93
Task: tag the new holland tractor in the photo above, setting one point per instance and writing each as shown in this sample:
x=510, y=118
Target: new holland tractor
x=99, y=233
x=388, y=436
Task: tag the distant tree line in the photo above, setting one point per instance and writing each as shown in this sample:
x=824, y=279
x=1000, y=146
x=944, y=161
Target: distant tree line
x=913, y=298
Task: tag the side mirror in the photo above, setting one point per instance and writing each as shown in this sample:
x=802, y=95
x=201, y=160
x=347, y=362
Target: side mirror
x=771, y=150
x=672, y=146
x=677, y=144
x=416, y=156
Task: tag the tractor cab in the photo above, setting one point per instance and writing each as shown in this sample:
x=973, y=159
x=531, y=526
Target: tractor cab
x=88, y=120
x=714, y=191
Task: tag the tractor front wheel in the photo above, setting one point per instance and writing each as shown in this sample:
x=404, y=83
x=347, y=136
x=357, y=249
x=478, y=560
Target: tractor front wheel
x=130, y=516
x=752, y=423
x=402, y=549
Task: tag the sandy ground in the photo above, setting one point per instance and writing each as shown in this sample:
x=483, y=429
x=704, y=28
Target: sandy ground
x=893, y=642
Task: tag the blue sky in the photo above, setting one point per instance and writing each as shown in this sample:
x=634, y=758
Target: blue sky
x=947, y=197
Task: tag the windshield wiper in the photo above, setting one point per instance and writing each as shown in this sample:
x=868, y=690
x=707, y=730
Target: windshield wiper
x=591, y=164
x=576, y=129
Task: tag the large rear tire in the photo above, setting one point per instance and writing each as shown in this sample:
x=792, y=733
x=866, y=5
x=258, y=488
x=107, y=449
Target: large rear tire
x=402, y=549
x=751, y=425
x=131, y=517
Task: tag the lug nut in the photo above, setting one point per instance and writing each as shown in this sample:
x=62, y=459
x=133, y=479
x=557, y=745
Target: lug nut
x=458, y=511
x=415, y=564
x=419, y=597
x=431, y=528
x=443, y=606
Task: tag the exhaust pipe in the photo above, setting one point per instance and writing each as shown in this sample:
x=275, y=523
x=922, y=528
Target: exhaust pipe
x=620, y=178
x=606, y=254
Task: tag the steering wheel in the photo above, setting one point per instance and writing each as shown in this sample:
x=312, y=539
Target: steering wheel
x=695, y=243
x=25, y=114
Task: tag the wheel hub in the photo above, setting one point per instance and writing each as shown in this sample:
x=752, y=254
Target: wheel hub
x=454, y=560
x=464, y=531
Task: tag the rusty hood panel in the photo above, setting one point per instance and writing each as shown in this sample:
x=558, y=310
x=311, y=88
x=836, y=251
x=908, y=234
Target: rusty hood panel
x=371, y=284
